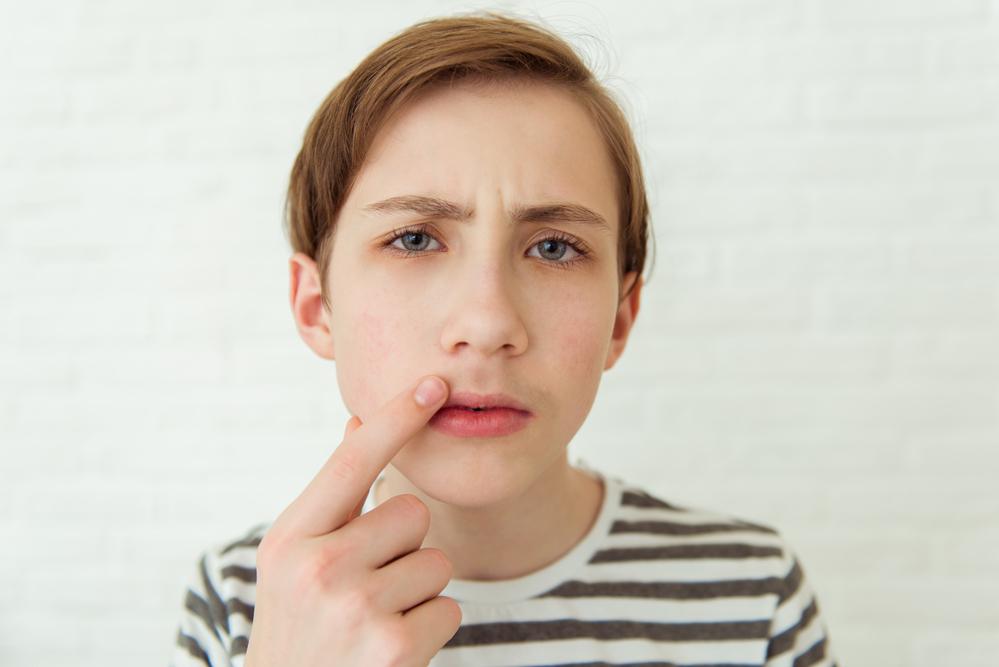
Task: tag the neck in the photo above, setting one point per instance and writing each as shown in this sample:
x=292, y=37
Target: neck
x=512, y=538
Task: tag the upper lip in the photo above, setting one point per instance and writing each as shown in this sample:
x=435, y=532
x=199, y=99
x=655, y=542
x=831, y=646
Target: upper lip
x=469, y=399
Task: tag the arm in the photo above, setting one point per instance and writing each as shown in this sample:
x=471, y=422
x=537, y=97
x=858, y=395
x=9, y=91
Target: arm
x=798, y=635
x=202, y=638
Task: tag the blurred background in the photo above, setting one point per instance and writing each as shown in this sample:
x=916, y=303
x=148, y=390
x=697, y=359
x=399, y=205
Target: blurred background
x=817, y=347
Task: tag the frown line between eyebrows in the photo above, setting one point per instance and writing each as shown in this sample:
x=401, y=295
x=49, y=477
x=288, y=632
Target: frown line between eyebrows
x=435, y=207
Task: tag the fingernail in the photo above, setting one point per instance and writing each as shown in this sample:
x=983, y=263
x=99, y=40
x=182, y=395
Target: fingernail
x=429, y=392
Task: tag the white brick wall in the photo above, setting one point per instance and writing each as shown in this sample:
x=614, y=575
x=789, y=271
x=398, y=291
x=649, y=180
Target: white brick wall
x=816, y=349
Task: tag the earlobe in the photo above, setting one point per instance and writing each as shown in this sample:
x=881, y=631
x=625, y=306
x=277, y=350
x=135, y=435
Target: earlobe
x=305, y=296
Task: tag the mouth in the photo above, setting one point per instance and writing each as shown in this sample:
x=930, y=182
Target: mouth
x=473, y=402
x=464, y=421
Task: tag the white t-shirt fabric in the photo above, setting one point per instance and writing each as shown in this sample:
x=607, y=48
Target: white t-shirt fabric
x=651, y=583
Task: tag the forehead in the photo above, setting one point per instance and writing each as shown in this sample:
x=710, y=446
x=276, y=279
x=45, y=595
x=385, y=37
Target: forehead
x=533, y=141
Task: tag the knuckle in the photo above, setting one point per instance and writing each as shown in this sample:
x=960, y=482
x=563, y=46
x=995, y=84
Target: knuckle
x=397, y=646
x=320, y=566
x=346, y=465
x=401, y=653
x=357, y=606
x=442, y=559
x=333, y=550
x=350, y=612
x=416, y=507
x=305, y=580
x=455, y=610
x=272, y=546
x=265, y=549
x=450, y=608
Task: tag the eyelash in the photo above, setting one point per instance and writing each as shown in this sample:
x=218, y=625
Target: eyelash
x=578, y=246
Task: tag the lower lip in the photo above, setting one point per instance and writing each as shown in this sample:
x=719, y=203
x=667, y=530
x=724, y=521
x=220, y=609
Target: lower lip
x=484, y=424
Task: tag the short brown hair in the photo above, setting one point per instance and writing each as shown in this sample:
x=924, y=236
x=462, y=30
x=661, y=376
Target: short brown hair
x=487, y=46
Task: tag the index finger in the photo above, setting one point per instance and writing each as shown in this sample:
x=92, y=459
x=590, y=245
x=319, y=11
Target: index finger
x=346, y=478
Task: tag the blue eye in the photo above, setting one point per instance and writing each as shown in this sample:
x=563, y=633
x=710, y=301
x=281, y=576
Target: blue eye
x=557, y=242
x=408, y=235
x=416, y=236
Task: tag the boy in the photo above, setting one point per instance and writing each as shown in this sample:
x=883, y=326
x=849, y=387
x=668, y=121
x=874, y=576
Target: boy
x=468, y=209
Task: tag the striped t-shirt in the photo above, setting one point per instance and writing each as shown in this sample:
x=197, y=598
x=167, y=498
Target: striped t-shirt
x=651, y=583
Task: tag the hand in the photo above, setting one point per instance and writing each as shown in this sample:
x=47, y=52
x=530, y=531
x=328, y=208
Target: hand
x=335, y=587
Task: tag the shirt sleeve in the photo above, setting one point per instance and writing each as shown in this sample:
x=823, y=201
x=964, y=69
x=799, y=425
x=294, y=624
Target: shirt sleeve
x=202, y=637
x=798, y=634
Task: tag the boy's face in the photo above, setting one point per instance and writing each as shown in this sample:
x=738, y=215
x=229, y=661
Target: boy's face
x=486, y=304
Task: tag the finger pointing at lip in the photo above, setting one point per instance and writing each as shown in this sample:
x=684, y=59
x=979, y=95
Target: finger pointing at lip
x=345, y=480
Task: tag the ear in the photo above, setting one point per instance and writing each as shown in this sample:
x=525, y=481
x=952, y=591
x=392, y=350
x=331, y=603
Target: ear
x=627, y=311
x=311, y=319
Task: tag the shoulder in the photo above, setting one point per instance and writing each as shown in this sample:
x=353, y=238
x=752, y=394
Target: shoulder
x=222, y=590
x=735, y=545
x=750, y=557
x=231, y=563
x=636, y=496
x=638, y=502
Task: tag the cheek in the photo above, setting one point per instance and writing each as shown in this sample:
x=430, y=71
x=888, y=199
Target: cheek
x=580, y=343
x=575, y=358
x=369, y=332
x=365, y=363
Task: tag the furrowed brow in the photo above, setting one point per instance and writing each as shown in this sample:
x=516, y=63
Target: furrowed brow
x=431, y=207
x=434, y=207
x=560, y=212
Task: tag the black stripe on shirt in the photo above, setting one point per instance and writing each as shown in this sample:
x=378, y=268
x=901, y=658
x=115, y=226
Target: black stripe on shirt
x=195, y=604
x=239, y=645
x=237, y=606
x=190, y=644
x=686, y=552
x=641, y=498
x=667, y=590
x=215, y=603
x=791, y=581
x=661, y=527
x=247, y=574
x=785, y=641
x=816, y=653
x=484, y=634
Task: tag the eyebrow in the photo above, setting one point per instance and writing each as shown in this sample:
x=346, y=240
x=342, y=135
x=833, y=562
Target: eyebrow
x=435, y=207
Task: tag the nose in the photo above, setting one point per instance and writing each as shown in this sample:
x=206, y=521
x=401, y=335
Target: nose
x=485, y=310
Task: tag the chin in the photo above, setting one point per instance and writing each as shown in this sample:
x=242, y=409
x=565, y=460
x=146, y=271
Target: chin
x=468, y=498
x=470, y=473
